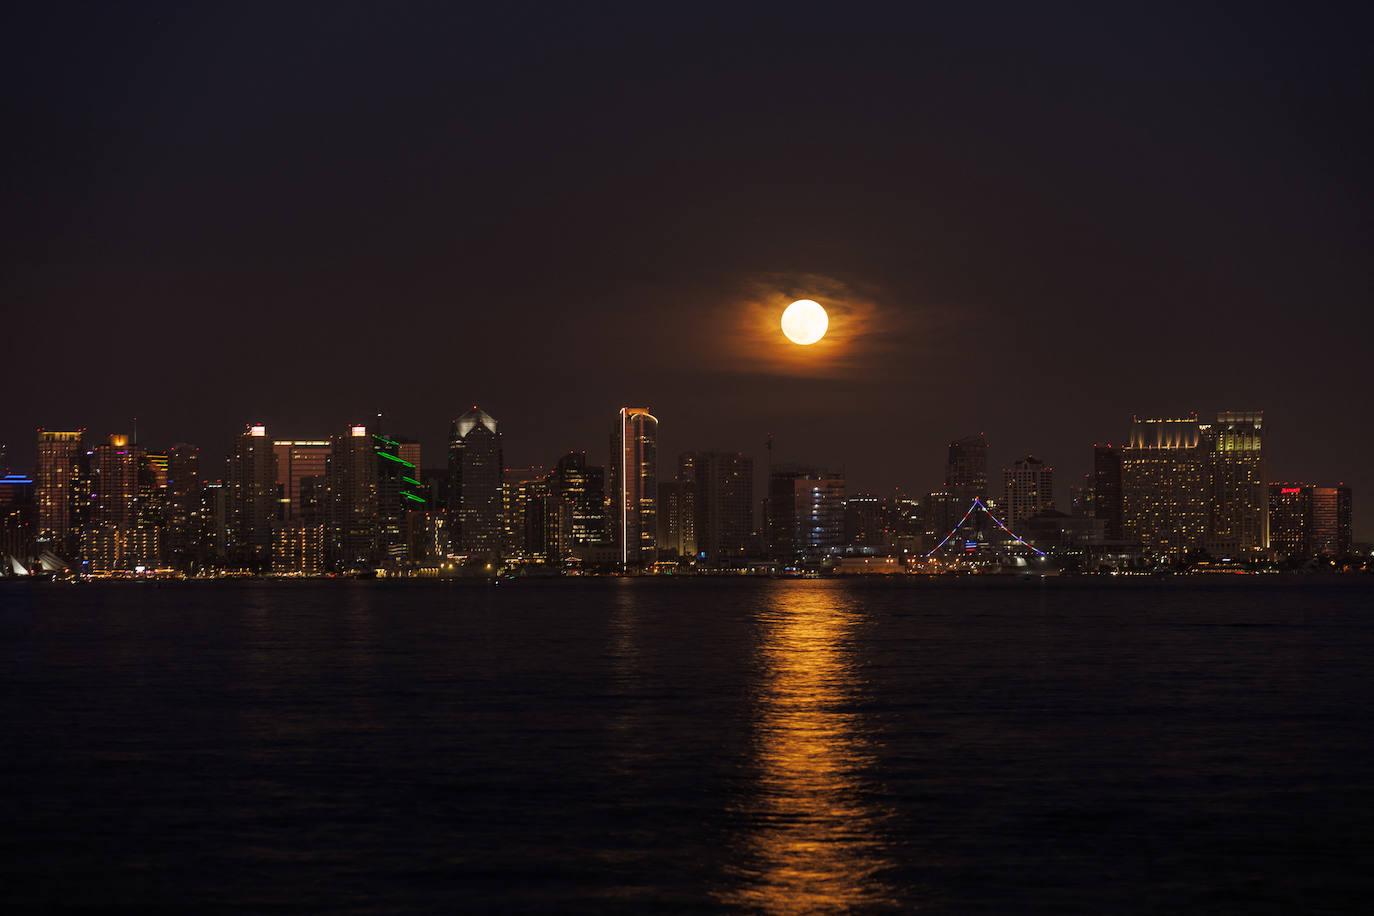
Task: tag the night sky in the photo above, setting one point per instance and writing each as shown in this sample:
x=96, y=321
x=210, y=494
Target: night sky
x=1028, y=220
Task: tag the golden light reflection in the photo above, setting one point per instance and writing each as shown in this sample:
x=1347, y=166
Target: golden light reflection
x=812, y=842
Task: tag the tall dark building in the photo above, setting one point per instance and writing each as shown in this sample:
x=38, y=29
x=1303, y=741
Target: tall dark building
x=252, y=500
x=867, y=521
x=351, y=480
x=576, y=508
x=717, y=492
x=1106, y=483
x=474, y=500
x=966, y=471
x=634, y=482
x=185, y=532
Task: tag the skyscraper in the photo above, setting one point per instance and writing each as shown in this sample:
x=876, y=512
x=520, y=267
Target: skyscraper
x=1165, y=486
x=475, y=467
x=185, y=515
x=351, y=481
x=1028, y=486
x=966, y=472
x=1239, y=506
x=298, y=459
x=524, y=494
x=634, y=479
x=806, y=512
x=252, y=500
x=1107, y=489
x=56, y=470
x=1307, y=521
x=576, y=508
x=717, y=492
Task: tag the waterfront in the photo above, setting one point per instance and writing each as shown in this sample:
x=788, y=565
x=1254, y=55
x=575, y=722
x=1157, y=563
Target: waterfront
x=1026, y=745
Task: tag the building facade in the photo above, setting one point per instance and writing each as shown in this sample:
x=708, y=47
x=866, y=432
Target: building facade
x=1028, y=490
x=716, y=504
x=474, y=500
x=1165, y=487
x=634, y=482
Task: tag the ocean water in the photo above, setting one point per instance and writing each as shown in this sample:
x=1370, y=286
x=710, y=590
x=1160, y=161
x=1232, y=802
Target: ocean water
x=1046, y=746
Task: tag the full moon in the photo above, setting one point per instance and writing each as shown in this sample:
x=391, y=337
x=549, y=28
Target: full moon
x=804, y=322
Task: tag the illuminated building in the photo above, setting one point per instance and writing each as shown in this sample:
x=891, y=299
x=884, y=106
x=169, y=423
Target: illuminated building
x=185, y=518
x=298, y=459
x=524, y=495
x=56, y=472
x=1239, y=504
x=941, y=512
x=474, y=498
x=123, y=528
x=251, y=500
x=575, y=516
x=1308, y=521
x=351, y=480
x=966, y=470
x=1165, y=486
x=1028, y=486
x=806, y=516
x=634, y=483
x=718, y=497
x=17, y=517
x=299, y=548
x=1106, y=484
x=398, y=494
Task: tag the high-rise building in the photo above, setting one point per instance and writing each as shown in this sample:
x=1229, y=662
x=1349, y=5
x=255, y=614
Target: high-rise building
x=1028, y=487
x=56, y=472
x=670, y=543
x=297, y=459
x=966, y=471
x=806, y=512
x=867, y=521
x=1239, y=506
x=185, y=507
x=252, y=500
x=634, y=482
x=717, y=493
x=123, y=529
x=1106, y=483
x=351, y=480
x=524, y=495
x=576, y=509
x=474, y=501
x=1307, y=521
x=1165, y=486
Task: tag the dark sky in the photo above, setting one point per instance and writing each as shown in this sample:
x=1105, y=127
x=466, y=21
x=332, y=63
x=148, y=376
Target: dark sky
x=1031, y=220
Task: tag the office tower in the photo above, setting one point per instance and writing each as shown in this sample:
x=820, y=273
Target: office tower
x=806, y=515
x=409, y=450
x=252, y=500
x=185, y=516
x=1165, y=486
x=351, y=480
x=17, y=518
x=634, y=482
x=123, y=530
x=941, y=511
x=474, y=467
x=524, y=494
x=1028, y=488
x=670, y=543
x=57, y=469
x=297, y=459
x=966, y=472
x=576, y=513
x=1307, y=521
x=1106, y=482
x=866, y=521
x=399, y=492
x=1239, y=505
x=718, y=497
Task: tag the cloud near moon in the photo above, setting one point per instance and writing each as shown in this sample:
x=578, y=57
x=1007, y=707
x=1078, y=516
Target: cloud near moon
x=863, y=337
